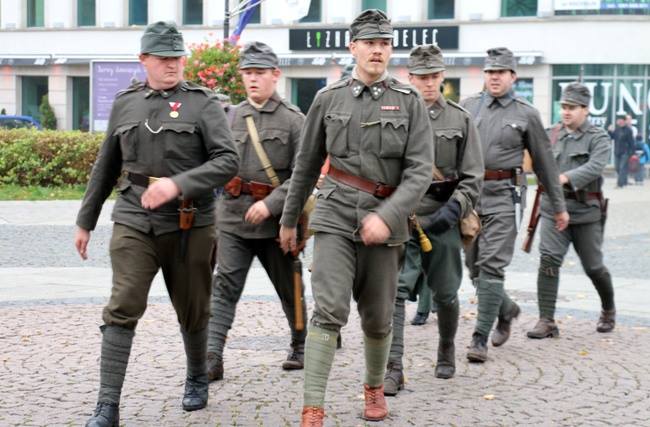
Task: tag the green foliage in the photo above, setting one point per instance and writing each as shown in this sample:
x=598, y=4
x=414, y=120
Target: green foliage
x=19, y=192
x=3, y=112
x=47, y=158
x=214, y=65
x=48, y=118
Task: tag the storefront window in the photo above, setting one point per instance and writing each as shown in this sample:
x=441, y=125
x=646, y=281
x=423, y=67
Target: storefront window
x=35, y=13
x=451, y=89
x=192, y=12
x=80, y=103
x=303, y=92
x=617, y=90
x=314, y=14
x=373, y=4
x=33, y=90
x=441, y=9
x=85, y=13
x=138, y=14
x=510, y=8
x=603, y=7
x=524, y=89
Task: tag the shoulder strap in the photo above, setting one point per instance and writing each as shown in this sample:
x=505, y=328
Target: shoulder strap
x=555, y=132
x=266, y=163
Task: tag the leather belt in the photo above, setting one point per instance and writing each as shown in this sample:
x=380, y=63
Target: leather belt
x=377, y=189
x=237, y=186
x=580, y=196
x=139, y=179
x=497, y=175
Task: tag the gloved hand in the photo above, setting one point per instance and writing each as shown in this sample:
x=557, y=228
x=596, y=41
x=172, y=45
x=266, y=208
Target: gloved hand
x=444, y=218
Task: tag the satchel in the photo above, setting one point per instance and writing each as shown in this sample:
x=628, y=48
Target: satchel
x=470, y=227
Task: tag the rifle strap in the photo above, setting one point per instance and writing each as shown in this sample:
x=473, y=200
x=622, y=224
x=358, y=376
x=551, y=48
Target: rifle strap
x=261, y=154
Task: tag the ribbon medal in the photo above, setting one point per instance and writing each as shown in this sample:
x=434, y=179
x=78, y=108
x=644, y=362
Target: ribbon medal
x=174, y=112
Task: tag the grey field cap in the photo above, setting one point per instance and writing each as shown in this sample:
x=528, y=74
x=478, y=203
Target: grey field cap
x=425, y=59
x=500, y=58
x=257, y=55
x=576, y=94
x=162, y=38
x=371, y=24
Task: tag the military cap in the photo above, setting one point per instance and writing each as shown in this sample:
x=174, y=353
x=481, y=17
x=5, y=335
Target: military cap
x=576, y=94
x=425, y=59
x=371, y=24
x=258, y=55
x=500, y=58
x=162, y=39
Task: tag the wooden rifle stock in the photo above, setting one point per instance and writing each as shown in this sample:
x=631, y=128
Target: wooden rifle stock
x=534, y=220
x=298, y=321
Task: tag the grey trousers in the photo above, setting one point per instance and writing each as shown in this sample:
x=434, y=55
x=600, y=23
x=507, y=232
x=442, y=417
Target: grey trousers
x=492, y=251
x=587, y=241
x=343, y=269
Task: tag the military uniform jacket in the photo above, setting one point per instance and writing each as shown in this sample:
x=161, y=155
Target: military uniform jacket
x=278, y=124
x=582, y=156
x=194, y=149
x=457, y=152
x=507, y=125
x=380, y=133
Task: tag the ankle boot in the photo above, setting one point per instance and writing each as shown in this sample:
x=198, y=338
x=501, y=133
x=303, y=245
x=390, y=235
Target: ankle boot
x=545, y=328
x=376, y=408
x=607, y=321
x=447, y=327
x=105, y=415
x=196, y=383
x=295, y=358
x=312, y=416
x=393, y=379
x=477, y=352
x=501, y=332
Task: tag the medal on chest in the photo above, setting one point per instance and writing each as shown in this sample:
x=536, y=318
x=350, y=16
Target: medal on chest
x=175, y=106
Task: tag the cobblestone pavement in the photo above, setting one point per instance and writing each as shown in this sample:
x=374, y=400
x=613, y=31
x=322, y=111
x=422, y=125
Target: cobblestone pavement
x=49, y=374
x=50, y=310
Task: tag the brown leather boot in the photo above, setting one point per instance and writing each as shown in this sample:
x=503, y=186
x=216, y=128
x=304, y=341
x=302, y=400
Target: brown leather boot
x=502, y=331
x=215, y=367
x=376, y=407
x=312, y=416
x=295, y=358
x=544, y=328
x=607, y=321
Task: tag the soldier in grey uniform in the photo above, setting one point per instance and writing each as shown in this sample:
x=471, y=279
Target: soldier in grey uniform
x=250, y=208
x=507, y=126
x=457, y=152
x=375, y=130
x=169, y=144
x=581, y=151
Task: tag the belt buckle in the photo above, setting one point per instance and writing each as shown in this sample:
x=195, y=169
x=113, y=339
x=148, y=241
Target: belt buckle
x=152, y=179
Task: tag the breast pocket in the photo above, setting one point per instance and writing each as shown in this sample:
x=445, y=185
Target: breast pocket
x=446, y=147
x=127, y=135
x=180, y=140
x=277, y=147
x=512, y=133
x=394, y=134
x=578, y=158
x=336, y=133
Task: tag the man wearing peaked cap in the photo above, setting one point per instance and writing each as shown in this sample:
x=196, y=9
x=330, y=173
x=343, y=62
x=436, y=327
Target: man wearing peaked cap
x=164, y=213
x=452, y=195
x=507, y=126
x=249, y=211
x=581, y=177
x=376, y=134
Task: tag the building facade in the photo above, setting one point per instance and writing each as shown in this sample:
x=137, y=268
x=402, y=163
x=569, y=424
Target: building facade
x=48, y=46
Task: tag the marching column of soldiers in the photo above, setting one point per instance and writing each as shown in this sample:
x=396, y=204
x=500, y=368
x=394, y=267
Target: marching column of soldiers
x=413, y=179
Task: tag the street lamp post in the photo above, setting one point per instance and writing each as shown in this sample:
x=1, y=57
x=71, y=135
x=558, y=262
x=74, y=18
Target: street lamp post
x=226, y=20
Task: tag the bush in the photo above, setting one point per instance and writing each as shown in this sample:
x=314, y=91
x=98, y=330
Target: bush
x=47, y=158
x=48, y=118
x=214, y=65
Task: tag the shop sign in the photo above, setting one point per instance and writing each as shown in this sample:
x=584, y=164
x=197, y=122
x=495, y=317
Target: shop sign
x=106, y=79
x=319, y=39
x=598, y=5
